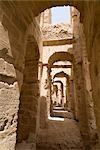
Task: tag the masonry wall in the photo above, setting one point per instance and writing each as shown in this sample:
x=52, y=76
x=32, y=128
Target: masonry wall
x=82, y=61
x=92, y=32
x=45, y=18
x=13, y=40
x=11, y=79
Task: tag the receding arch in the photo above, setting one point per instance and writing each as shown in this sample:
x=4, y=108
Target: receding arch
x=61, y=74
x=60, y=56
x=58, y=81
x=61, y=88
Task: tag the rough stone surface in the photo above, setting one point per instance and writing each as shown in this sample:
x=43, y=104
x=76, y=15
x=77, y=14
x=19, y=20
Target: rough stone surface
x=59, y=31
x=53, y=138
x=20, y=46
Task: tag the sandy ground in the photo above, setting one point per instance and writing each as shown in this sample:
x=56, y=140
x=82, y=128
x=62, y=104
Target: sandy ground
x=61, y=134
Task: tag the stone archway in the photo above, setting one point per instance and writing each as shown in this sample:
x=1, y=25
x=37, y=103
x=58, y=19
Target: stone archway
x=60, y=56
x=62, y=74
x=13, y=10
x=55, y=57
x=61, y=88
x=80, y=92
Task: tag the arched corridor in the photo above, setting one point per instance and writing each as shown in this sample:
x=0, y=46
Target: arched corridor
x=49, y=76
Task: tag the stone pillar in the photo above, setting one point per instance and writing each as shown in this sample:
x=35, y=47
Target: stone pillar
x=67, y=94
x=62, y=94
x=27, y=117
x=45, y=18
x=72, y=97
x=43, y=112
x=88, y=88
x=82, y=108
x=66, y=105
x=49, y=105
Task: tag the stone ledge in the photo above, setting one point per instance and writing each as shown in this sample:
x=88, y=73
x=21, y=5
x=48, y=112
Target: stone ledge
x=58, y=42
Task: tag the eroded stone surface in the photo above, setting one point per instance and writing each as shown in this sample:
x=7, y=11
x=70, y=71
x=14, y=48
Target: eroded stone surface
x=17, y=20
x=59, y=31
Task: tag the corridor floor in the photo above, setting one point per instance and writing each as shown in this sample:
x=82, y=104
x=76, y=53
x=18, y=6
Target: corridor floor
x=61, y=134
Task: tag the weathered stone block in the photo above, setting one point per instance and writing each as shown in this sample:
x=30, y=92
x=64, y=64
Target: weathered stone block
x=6, y=68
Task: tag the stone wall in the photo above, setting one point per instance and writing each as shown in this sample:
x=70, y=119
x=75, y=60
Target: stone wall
x=92, y=32
x=11, y=79
x=82, y=60
x=45, y=18
x=16, y=67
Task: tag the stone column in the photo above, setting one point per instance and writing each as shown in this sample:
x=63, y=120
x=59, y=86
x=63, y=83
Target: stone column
x=27, y=121
x=68, y=94
x=82, y=109
x=62, y=94
x=81, y=97
x=45, y=18
x=66, y=105
x=88, y=87
x=43, y=112
x=72, y=97
x=49, y=98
